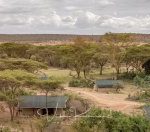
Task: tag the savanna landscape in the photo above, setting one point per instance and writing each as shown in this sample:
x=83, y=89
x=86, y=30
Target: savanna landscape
x=83, y=84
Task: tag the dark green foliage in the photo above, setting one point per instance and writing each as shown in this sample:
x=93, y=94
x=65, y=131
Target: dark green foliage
x=83, y=83
x=110, y=121
x=142, y=81
x=127, y=76
x=131, y=75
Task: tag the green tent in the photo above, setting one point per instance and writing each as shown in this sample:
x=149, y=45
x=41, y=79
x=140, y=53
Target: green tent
x=39, y=101
x=108, y=83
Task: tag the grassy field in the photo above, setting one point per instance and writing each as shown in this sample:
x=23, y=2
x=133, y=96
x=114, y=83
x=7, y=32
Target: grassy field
x=64, y=74
x=60, y=74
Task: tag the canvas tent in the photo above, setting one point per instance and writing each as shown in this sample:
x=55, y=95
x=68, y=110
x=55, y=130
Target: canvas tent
x=108, y=83
x=30, y=104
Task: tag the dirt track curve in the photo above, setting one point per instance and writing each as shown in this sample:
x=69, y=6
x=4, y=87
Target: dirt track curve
x=117, y=102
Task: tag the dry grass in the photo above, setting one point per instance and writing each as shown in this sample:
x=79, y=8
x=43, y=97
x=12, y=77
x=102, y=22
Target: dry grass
x=64, y=74
x=60, y=74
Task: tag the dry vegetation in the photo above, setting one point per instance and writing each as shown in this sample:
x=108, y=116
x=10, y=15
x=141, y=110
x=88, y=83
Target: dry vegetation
x=48, y=70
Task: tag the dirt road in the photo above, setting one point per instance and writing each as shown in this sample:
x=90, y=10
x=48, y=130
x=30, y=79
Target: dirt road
x=116, y=102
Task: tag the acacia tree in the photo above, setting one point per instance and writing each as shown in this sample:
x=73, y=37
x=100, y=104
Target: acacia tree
x=116, y=52
x=100, y=57
x=48, y=85
x=44, y=54
x=11, y=83
x=75, y=56
x=100, y=61
x=80, y=56
x=87, y=58
x=136, y=56
x=15, y=50
x=23, y=64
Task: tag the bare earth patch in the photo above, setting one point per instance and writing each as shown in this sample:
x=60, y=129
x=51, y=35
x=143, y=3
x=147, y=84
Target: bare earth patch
x=117, y=102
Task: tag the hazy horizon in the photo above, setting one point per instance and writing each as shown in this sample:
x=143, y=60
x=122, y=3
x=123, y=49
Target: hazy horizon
x=66, y=34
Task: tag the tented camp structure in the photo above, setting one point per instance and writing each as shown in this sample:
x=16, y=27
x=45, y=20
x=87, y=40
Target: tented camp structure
x=29, y=105
x=108, y=83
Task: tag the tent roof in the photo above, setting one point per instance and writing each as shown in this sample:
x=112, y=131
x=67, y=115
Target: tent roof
x=107, y=83
x=39, y=101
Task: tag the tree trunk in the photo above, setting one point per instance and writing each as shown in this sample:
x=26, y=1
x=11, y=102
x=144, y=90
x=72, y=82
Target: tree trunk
x=117, y=72
x=11, y=113
x=127, y=69
x=12, y=117
x=101, y=70
x=84, y=72
x=78, y=74
x=117, y=69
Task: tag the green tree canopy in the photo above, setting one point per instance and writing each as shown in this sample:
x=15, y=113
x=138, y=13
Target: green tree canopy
x=23, y=64
x=136, y=56
x=116, y=38
x=15, y=50
x=116, y=52
x=11, y=85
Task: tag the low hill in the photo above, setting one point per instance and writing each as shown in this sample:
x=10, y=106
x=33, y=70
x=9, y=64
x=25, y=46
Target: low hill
x=38, y=38
x=58, y=38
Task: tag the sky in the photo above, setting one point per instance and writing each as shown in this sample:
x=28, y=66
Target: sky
x=74, y=16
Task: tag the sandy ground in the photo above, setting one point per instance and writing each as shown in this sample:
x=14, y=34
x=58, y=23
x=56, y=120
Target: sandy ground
x=117, y=102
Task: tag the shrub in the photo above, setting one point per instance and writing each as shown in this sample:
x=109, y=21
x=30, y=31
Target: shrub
x=118, y=87
x=142, y=96
x=41, y=124
x=83, y=83
x=131, y=75
x=33, y=57
x=142, y=81
x=111, y=121
x=128, y=76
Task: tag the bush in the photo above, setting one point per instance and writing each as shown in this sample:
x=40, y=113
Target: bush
x=118, y=87
x=142, y=96
x=41, y=124
x=142, y=81
x=111, y=121
x=128, y=76
x=131, y=75
x=83, y=83
x=33, y=57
